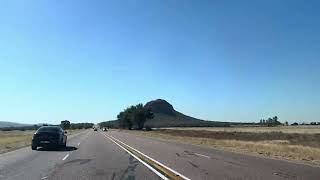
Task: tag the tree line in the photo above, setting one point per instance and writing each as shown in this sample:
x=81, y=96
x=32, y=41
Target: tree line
x=67, y=125
x=274, y=121
x=114, y=124
x=311, y=123
x=134, y=117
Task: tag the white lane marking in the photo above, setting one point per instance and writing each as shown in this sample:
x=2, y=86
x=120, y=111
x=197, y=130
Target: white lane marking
x=44, y=177
x=147, y=165
x=78, y=144
x=65, y=157
x=202, y=155
x=182, y=176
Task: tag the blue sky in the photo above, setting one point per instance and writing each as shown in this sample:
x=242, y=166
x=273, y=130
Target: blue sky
x=215, y=60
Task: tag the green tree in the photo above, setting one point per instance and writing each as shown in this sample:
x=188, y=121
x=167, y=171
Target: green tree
x=125, y=119
x=65, y=124
x=141, y=115
x=269, y=121
x=134, y=117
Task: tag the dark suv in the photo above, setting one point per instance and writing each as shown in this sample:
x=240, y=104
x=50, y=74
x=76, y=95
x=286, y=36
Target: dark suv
x=49, y=136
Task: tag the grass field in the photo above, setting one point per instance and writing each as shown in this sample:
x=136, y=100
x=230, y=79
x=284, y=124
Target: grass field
x=12, y=140
x=292, y=143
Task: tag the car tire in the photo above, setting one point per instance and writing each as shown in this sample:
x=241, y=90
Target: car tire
x=65, y=143
x=63, y=146
x=33, y=147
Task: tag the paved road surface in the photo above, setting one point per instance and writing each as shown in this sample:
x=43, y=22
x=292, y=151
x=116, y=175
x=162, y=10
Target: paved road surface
x=95, y=158
x=90, y=155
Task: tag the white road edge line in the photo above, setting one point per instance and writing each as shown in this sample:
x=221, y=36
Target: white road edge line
x=147, y=165
x=182, y=176
x=65, y=157
x=202, y=155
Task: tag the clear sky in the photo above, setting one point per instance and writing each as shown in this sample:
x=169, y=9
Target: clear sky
x=215, y=60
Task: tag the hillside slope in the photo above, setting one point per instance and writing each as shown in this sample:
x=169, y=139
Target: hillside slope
x=166, y=116
x=10, y=124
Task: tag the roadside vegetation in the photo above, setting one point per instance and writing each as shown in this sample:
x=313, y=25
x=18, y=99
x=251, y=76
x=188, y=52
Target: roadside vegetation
x=68, y=125
x=291, y=143
x=11, y=140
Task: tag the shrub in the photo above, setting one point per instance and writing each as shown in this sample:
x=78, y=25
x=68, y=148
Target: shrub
x=148, y=128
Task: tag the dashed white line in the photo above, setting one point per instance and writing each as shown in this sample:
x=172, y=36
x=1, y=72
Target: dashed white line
x=202, y=155
x=44, y=177
x=65, y=157
x=79, y=144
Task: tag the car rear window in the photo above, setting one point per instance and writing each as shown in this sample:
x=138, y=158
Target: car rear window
x=49, y=129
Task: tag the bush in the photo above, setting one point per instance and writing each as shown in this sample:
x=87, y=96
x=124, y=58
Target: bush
x=148, y=128
x=134, y=117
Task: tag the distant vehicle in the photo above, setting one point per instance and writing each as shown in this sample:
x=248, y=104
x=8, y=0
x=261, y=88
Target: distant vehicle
x=49, y=136
x=104, y=129
x=95, y=129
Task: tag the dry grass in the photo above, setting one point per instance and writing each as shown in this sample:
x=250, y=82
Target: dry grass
x=275, y=148
x=283, y=129
x=12, y=140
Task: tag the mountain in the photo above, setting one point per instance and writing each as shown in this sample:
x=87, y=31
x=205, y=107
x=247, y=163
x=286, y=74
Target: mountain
x=166, y=116
x=11, y=124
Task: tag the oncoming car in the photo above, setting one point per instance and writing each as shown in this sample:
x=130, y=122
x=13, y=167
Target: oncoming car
x=49, y=136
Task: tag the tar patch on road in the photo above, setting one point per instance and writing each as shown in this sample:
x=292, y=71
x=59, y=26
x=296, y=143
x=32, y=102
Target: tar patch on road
x=80, y=161
x=284, y=175
x=194, y=165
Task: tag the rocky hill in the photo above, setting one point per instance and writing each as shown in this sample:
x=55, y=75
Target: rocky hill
x=166, y=116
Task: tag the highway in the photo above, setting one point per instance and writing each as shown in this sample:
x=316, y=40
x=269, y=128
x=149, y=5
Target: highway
x=119, y=155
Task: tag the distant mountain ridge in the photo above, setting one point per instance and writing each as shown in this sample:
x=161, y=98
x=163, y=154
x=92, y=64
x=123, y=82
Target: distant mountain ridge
x=11, y=124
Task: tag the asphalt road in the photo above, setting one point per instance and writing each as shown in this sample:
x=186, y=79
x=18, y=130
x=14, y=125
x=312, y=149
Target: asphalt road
x=91, y=155
x=88, y=156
